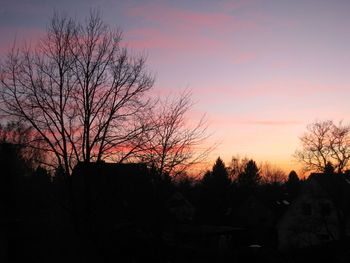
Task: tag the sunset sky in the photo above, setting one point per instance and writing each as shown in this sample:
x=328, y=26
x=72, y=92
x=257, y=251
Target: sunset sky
x=259, y=70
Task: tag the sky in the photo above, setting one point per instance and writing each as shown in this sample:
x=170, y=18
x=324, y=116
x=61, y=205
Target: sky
x=260, y=70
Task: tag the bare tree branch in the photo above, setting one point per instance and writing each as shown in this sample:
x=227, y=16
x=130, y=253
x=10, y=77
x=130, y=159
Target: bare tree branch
x=172, y=145
x=79, y=89
x=325, y=142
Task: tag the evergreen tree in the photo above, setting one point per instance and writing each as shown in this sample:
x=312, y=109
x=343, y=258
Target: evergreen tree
x=293, y=177
x=215, y=193
x=218, y=177
x=293, y=182
x=250, y=176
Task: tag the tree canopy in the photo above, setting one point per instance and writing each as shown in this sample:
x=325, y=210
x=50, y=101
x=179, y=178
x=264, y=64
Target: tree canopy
x=218, y=177
x=86, y=98
x=81, y=91
x=324, y=142
x=250, y=176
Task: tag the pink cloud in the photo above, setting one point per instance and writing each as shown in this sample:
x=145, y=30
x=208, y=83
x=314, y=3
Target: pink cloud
x=166, y=14
x=186, y=43
x=156, y=43
x=150, y=38
x=215, y=120
x=141, y=33
x=233, y=5
x=246, y=56
x=287, y=89
x=236, y=92
x=24, y=7
x=186, y=19
x=282, y=63
x=18, y=36
x=191, y=32
x=298, y=88
x=269, y=122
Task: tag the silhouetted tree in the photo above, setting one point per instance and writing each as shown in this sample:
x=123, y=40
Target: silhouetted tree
x=187, y=185
x=250, y=177
x=13, y=170
x=218, y=177
x=172, y=145
x=206, y=178
x=325, y=142
x=293, y=177
x=292, y=183
x=215, y=186
x=185, y=180
x=237, y=166
x=271, y=174
x=79, y=89
x=23, y=139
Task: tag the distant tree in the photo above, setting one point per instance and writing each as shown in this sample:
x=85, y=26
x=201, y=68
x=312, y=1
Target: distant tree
x=22, y=138
x=218, y=177
x=187, y=185
x=293, y=182
x=185, y=180
x=172, y=144
x=80, y=90
x=206, y=177
x=215, y=193
x=250, y=176
x=325, y=142
x=271, y=174
x=237, y=166
x=220, y=171
x=14, y=132
x=293, y=177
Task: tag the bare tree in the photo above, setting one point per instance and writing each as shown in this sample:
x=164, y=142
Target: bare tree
x=173, y=145
x=79, y=89
x=271, y=174
x=237, y=166
x=323, y=143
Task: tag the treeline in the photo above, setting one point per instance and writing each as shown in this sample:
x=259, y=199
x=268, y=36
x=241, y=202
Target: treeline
x=223, y=189
x=42, y=220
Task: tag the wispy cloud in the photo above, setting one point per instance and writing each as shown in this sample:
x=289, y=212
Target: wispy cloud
x=233, y=5
x=151, y=38
x=246, y=56
x=174, y=17
x=251, y=121
x=19, y=37
x=287, y=89
x=268, y=122
x=191, y=32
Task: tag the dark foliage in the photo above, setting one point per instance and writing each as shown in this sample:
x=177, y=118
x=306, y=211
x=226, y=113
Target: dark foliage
x=250, y=176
